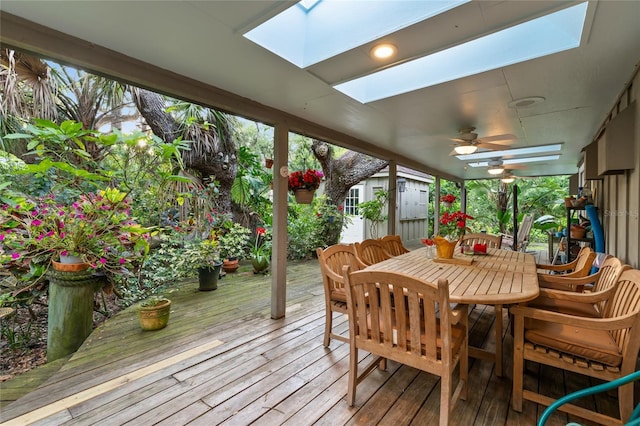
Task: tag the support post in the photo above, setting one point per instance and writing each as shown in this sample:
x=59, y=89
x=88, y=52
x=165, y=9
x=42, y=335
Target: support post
x=280, y=238
x=392, y=207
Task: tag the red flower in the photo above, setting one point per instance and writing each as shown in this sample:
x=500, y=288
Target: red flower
x=449, y=198
x=260, y=231
x=308, y=180
x=427, y=241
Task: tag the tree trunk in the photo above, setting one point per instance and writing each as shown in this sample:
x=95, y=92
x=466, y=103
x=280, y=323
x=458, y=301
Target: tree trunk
x=344, y=172
x=213, y=152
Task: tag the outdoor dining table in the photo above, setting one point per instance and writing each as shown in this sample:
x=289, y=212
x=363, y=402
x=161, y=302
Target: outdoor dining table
x=498, y=278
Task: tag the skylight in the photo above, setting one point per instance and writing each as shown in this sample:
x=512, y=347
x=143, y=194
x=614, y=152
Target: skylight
x=517, y=160
x=314, y=30
x=515, y=151
x=539, y=37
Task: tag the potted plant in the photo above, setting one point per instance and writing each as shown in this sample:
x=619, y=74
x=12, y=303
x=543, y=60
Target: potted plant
x=204, y=255
x=452, y=228
x=96, y=230
x=447, y=200
x=153, y=313
x=261, y=251
x=304, y=185
x=233, y=244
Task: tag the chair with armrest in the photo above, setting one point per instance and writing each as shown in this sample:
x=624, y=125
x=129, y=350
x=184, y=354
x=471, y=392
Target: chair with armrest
x=604, y=347
x=371, y=251
x=492, y=241
x=523, y=235
x=393, y=245
x=591, y=301
x=331, y=261
x=578, y=268
x=411, y=333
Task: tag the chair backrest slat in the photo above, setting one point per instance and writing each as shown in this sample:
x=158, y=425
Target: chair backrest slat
x=371, y=251
x=492, y=241
x=610, y=272
x=393, y=245
x=331, y=261
x=625, y=301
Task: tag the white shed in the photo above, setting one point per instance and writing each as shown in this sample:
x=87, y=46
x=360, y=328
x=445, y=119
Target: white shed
x=412, y=209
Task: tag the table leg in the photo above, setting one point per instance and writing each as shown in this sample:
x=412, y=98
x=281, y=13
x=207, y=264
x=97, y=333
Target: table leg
x=499, y=340
x=496, y=357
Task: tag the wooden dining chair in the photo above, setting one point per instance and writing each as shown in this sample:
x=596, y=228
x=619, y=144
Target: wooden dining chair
x=393, y=245
x=492, y=241
x=604, y=347
x=589, y=301
x=331, y=261
x=371, y=251
x=411, y=333
x=578, y=268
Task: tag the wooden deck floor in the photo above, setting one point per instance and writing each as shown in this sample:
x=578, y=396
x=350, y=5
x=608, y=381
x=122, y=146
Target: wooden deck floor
x=222, y=360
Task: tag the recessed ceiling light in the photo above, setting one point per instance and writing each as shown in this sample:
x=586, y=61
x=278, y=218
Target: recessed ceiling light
x=525, y=102
x=383, y=51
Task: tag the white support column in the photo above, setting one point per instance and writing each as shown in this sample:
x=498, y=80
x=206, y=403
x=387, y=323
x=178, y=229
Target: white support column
x=279, y=238
x=392, y=207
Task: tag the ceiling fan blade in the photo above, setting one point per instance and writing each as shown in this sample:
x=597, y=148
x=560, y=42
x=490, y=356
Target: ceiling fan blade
x=453, y=153
x=458, y=140
x=492, y=146
x=496, y=138
x=514, y=166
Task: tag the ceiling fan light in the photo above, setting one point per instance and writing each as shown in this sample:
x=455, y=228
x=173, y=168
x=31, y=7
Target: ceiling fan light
x=507, y=179
x=465, y=149
x=495, y=170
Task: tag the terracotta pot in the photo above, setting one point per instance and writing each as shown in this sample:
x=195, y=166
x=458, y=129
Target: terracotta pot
x=69, y=267
x=304, y=196
x=444, y=247
x=154, y=317
x=230, y=265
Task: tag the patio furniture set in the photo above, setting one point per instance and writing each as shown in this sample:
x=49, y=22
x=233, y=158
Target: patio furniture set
x=564, y=316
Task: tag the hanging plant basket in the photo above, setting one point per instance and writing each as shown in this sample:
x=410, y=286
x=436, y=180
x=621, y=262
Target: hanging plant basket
x=268, y=162
x=304, y=196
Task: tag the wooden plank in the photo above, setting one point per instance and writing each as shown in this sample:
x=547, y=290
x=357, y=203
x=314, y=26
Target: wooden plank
x=69, y=401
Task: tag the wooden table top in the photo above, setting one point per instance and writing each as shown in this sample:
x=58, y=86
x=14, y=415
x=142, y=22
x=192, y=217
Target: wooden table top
x=501, y=277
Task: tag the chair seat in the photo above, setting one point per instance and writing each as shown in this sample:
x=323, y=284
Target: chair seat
x=565, y=307
x=593, y=345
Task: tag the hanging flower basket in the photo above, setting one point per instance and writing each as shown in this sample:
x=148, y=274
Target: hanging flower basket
x=304, y=196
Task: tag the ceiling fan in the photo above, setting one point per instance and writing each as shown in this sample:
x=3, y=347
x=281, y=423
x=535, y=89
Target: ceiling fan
x=468, y=142
x=497, y=167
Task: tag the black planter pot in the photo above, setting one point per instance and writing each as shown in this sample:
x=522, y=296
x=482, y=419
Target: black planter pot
x=208, y=277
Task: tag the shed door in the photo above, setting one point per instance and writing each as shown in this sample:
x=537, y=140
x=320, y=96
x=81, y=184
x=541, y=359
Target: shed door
x=355, y=231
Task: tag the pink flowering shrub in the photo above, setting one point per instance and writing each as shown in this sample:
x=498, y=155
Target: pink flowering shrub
x=97, y=227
